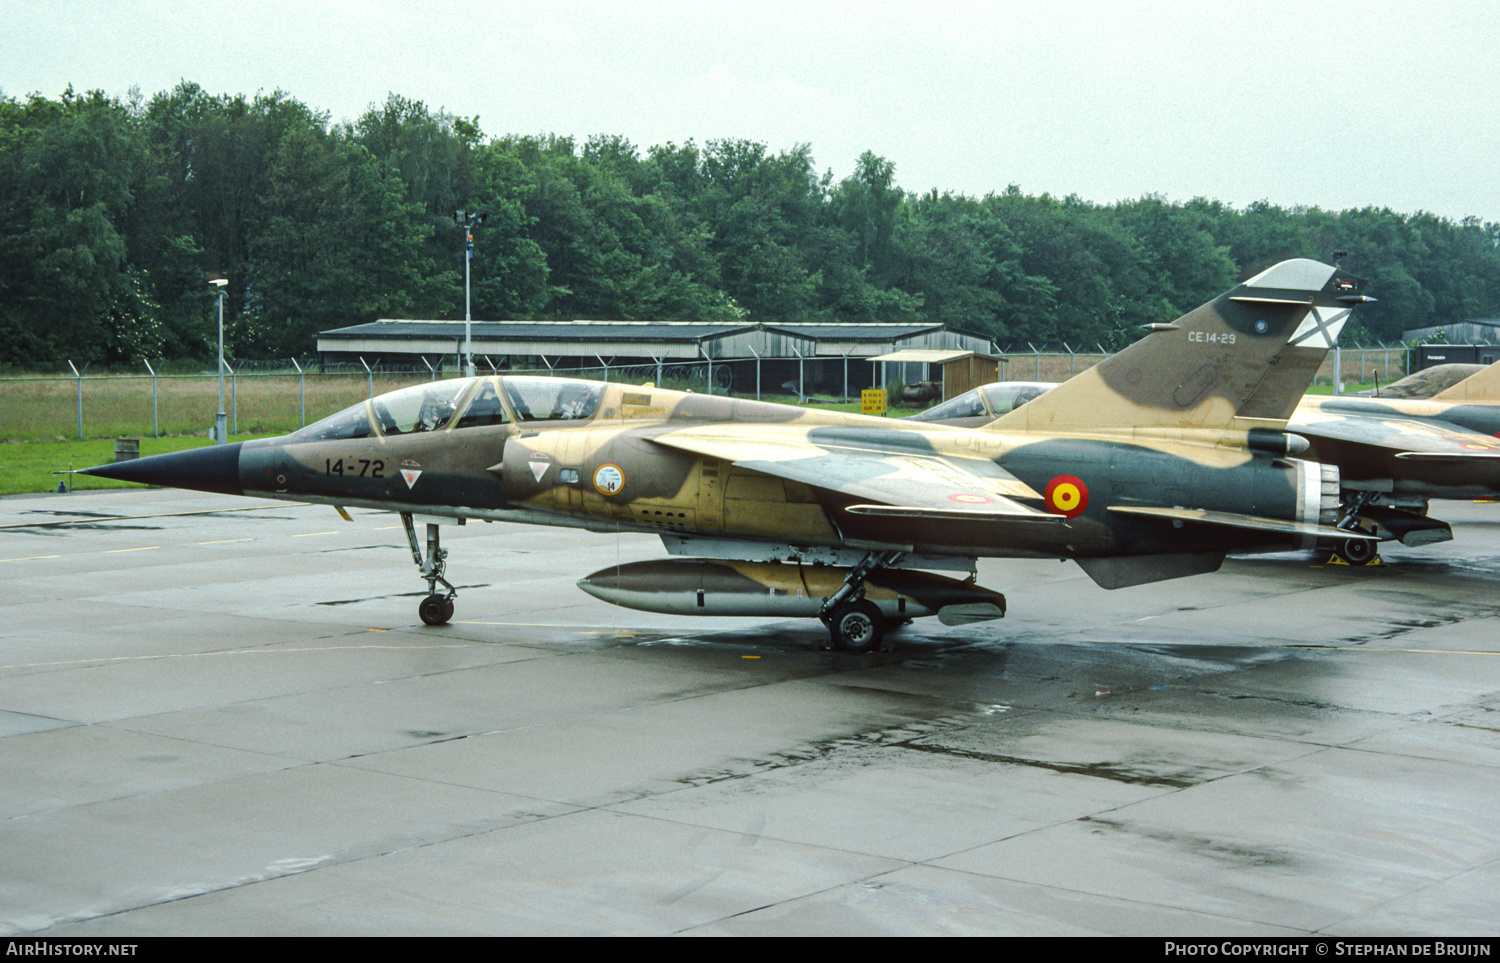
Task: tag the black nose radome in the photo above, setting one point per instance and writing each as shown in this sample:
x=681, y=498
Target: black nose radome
x=215, y=468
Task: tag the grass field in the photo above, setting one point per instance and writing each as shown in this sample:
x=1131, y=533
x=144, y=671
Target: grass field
x=29, y=466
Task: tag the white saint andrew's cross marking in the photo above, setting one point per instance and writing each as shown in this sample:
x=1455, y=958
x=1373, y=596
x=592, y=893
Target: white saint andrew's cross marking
x=1315, y=322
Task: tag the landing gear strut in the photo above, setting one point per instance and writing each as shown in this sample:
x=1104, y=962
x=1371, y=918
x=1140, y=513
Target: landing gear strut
x=855, y=623
x=435, y=609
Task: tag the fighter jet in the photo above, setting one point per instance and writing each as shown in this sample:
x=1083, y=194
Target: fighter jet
x=1393, y=454
x=1153, y=465
x=1420, y=384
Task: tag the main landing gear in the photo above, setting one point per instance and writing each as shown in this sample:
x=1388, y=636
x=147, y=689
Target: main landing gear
x=854, y=623
x=1355, y=551
x=435, y=609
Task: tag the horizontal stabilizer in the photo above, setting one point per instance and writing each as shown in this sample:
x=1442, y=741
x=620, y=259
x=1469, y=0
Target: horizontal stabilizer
x=1251, y=522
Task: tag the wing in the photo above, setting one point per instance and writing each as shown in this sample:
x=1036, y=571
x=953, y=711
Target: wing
x=896, y=472
x=1406, y=438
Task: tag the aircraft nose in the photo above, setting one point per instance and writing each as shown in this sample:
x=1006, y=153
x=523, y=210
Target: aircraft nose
x=215, y=468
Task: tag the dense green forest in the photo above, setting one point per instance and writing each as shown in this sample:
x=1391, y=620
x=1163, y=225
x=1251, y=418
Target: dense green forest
x=113, y=214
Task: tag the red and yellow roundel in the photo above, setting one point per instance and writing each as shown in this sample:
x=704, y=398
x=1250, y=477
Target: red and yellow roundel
x=1066, y=495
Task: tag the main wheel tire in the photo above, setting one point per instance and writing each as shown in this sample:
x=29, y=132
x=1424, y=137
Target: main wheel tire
x=1355, y=551
x=435, y=610
x=857, y=626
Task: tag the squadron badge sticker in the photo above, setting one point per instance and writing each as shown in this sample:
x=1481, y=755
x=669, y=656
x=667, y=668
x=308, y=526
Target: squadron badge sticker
x=1066, y=495
x=608, y=479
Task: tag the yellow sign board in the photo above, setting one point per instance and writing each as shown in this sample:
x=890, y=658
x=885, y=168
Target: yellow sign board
x=874, y=401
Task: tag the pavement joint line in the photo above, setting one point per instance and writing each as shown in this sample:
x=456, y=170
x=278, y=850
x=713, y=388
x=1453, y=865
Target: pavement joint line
x=90, y=519
x=269, y=650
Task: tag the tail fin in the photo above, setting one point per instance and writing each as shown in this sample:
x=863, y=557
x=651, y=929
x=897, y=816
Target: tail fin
x=1480, y=386
x=1242, y=360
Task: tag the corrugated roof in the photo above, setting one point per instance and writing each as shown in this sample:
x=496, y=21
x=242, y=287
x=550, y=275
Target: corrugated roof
x=542, y=330
x=930, y=356
x=854, y=331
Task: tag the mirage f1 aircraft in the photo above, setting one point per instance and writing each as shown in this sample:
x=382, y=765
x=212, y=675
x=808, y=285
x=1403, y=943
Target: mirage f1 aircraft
x=1153, y=465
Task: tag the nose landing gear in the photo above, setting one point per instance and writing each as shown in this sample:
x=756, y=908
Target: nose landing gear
x=435, y=609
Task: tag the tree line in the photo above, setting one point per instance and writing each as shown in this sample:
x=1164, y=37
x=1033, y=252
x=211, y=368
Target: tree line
x=113, y=214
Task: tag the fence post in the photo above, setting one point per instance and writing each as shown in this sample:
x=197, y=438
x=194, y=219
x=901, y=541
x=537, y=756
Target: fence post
x=234, y=398
x=79, y=375
x=155, y=425
x=301, y=392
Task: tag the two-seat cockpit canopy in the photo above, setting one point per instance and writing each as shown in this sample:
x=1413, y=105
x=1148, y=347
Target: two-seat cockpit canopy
x=986, y=401
x=460, y=403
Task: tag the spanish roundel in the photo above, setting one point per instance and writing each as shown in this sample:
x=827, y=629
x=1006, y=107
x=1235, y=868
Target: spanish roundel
x=1066, y=495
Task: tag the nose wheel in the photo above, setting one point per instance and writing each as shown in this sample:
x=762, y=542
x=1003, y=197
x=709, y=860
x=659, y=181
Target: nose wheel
x=436, y=608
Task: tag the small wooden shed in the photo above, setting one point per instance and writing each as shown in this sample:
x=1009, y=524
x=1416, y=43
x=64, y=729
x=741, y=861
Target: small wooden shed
x=956, y=371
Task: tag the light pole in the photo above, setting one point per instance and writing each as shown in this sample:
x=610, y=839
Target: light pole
x=219, y=439
x=468, y=220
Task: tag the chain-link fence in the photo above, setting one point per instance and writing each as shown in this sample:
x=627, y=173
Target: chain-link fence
x=259, y=398
x=275, y=397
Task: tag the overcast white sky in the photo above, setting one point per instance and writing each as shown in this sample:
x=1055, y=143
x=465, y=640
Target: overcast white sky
x=1394, y=104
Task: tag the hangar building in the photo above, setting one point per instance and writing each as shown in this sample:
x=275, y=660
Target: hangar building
x=747, y=358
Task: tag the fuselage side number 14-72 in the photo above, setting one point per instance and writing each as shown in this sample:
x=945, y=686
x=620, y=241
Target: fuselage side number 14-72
x=362, y=467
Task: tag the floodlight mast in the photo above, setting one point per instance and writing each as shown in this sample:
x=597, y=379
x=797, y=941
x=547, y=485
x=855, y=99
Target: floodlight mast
x=219, y=284
x=468, y=220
